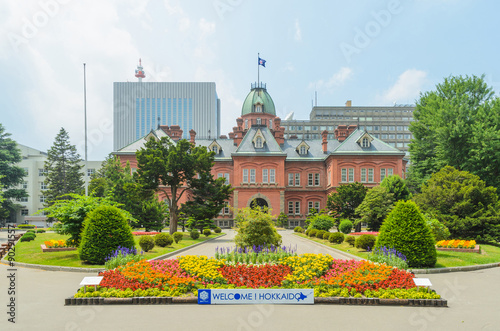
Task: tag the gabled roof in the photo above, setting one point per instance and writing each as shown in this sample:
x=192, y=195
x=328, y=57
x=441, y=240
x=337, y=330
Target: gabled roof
x=139, y=143
x=226, y=145
x=214, y=143
x=247, y=147
x=351, y=145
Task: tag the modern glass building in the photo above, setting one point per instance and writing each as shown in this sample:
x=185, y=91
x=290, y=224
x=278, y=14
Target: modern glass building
x=139, y=107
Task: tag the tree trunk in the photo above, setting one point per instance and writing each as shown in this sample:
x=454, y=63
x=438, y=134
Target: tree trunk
x=173, y=218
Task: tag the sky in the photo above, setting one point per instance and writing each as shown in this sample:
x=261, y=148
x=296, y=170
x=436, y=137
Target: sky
x=375, y=53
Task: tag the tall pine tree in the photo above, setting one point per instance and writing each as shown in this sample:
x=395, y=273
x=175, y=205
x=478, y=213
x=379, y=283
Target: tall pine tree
x=63, y=168
x=10, y=176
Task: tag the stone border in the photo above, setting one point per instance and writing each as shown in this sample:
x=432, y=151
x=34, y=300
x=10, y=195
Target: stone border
x=194, y=300
x=96, y=270
x=56, y=249
x=455, y=269
x=476, y=249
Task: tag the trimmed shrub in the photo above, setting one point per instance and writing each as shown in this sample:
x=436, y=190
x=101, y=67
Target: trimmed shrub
x=312, y=232
x=320, y=234
x=345, y=226
x=351, y=240
x=366, y=241
x=178, y=236
x=147, y=243
x=298, y=229
x=163, y=240
x=321, y=222
x=30, y=231
x=26, y=226
x=326, y=235
x=105, y=229
x=28, y=236
x=194, y=234
x=406, y=231
x=40, y=231
x=256, y=227
x=336, y=238
x=207, y=232
x=217, y=230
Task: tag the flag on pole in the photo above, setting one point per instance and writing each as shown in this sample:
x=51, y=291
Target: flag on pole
x=262, y=62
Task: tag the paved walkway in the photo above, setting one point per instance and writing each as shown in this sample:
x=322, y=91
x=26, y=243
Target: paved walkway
x=472, y=299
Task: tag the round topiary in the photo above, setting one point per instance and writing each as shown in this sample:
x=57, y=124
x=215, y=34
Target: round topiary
x=321, y=222
x=147, y=243
x=351, y=240
x=366, y=241
x=405, y=230
x=104, y=229
x=298, y=229
x=312, y=232
x=345, y=226
x=163, y=240
x=177, y=237
x=40, y=231
x=31, y=231
x=194, y=234
x=320, y=234
x=217, y=230
x=326, y=235
x=28, y=236
x=336, y=238
x=207, y=232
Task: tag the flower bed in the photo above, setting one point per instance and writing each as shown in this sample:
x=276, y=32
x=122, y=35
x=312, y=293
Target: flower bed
x=143, y=233
x=329, y=277
x=56, y=249
x=457, y=245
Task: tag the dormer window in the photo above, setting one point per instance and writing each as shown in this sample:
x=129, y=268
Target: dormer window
x=215, y=149
x=365, y=142
x=303, y=150
x=259, y=143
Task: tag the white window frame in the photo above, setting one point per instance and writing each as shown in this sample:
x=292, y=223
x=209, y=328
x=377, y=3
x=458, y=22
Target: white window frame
x=310, y=179
x=363, y=175
x=226, y=176
x=265, y=176
x=42, y=198
x=42, y=172
x=370, y=175
x=351, y=175
x=390, y=172
x=297, y=207
x=291, y=207
x=43, y=186
x=297, y=179
x=259, y=143
x=316, y=179
x=290, y=179
x=382, y=174
x=303, y=150
x=343, y=175
x=252, y=175
x=272, y=176
x=245, y=175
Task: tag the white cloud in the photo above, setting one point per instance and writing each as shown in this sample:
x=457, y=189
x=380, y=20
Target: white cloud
x=298, y=31
x=407, y=87
x=207, y=28
x=289, y=67
x=337, y=79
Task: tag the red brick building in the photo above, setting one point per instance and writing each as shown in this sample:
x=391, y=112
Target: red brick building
x=286, y=175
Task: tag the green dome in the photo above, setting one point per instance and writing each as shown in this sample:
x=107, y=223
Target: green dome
x=258, y=95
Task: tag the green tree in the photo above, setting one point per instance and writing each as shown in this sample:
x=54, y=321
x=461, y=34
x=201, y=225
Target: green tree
x=397, y=187
x=172, y=168
x=256, y=227
x=343, y=204
x=406, y=231
x=72, y=212
x=11, y=176
x=457, y=125
x=377, y=203
x=463, y=203
x=206, y=197
x=281, y=220
x=63, y=168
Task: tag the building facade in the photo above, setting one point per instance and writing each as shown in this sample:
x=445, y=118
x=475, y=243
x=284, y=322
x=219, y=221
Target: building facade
x=287, y=175
x=33, y=163
x=390, y=124
x=139, y=107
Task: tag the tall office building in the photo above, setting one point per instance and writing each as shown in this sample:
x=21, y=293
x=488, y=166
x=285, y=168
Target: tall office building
x=139, y=107
x=387, y=123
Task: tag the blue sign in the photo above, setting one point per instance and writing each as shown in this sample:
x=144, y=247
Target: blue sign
x=255, y=296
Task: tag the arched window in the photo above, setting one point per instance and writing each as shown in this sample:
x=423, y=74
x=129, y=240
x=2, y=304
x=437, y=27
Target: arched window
x=258, y=143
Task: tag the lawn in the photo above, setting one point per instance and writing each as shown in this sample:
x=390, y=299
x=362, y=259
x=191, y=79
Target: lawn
x=30, y=251
x=489, y=254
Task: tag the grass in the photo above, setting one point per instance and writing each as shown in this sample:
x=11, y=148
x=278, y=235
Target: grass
x=489, y=254
x=30, y=251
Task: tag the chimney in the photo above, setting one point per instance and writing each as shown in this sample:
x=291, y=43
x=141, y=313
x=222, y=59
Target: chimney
x=324, y=143
x=192, y=135
x=341, y=133
x=175, y=132
x=223, y=136
x=348, y=103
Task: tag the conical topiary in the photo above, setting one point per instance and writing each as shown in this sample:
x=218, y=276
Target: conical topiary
x=405, y=230
x=104, y=229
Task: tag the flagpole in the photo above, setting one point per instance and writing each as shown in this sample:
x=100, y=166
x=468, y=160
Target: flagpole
x=258, y=69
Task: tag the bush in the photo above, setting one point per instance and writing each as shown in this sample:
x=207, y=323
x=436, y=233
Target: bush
x=256, y=227
x=28, y=236
x=320, y=234
x=326, y=235
x=321, y=222
x=30, y=231
x=405, y=231
x=345, y=226
x=336, y=238
x=163, y=240
x=366, y=241
x=298, y=229
x=104, y=230
x=57, y=227
x=438, y=229
x=194, y=234
x=312, y=232
x=217, y=230
x=26, y=226
x=178, y=236
x=351, y=240
x=147, y=243
x=207, y=232
x=40, y=231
